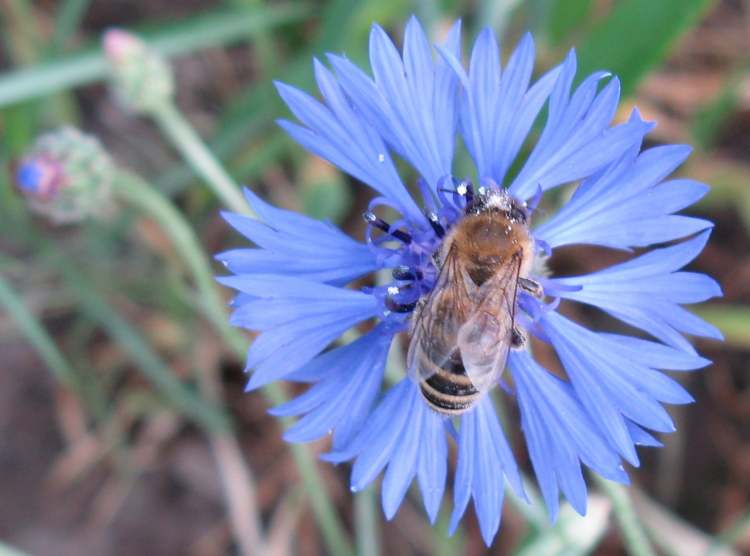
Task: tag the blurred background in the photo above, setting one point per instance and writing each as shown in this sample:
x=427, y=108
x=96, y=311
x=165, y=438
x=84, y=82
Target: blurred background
x=124, y=428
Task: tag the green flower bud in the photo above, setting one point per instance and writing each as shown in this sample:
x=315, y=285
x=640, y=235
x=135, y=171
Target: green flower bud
x=66, y=176
x=141, y=78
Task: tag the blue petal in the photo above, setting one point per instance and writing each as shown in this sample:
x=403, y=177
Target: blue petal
x=407, y=437
x=497, y=113
x=341, y=401
x=626, y=206
x=433, y=460
x=298, y=319
x=576, y=141
x=645, y=291
x=559, y=434
x=402, y=466
x=484, y=459
x=612, y=386
x=412, y=101
x=641, y=437
x=340, y=269
x=378, y=448
x=335, y=132
x=654, y=354
x=297, y=245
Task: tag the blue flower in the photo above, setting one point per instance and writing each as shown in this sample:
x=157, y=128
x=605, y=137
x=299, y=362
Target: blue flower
x=300, y=287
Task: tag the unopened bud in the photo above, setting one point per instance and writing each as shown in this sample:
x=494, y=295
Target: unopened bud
x=66, y=176
x=141, y=78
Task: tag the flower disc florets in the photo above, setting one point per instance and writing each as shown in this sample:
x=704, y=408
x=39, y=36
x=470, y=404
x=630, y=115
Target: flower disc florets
x=296, y=287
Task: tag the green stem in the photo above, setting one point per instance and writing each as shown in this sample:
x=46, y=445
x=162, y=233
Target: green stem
x=196, y=153
x=634, y=535
x=366, y=518
x=139, y=194
x=132, y=189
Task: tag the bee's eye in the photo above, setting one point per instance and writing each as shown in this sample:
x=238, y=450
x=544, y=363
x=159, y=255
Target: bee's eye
x=518, y=214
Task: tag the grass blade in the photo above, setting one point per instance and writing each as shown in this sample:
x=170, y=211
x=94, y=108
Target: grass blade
x=67, y=19
x=36, y=334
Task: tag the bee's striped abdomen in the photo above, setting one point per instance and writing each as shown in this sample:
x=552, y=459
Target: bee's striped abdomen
x=448, y=390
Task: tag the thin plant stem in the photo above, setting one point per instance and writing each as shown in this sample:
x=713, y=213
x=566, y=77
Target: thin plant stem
x=634, y=535
x=185, y=139
x=366, y=519
x=145, y=198
x=37, y=335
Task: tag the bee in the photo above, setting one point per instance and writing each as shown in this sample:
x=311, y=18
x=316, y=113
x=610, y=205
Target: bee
x=462, y=332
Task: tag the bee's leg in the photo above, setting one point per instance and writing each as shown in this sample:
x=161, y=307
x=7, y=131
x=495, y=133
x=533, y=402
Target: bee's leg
x=384, y=226
x=394, y=304
x=518, y=339
x=532, y=287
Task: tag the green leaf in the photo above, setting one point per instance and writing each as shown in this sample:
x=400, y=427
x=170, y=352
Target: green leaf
x=36, y=335
x=637, y=36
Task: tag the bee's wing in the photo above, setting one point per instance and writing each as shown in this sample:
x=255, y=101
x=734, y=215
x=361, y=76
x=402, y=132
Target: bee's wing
x=437, y=322
x=485, y=337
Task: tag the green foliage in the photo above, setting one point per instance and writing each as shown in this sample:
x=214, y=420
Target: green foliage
x=565, y=16
x=636, y=36
x=713, y=118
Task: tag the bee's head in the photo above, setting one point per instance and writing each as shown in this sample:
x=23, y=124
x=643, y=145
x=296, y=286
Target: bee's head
x=482, y=200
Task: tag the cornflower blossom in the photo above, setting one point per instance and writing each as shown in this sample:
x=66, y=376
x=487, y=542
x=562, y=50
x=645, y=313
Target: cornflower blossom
x=295, y=287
